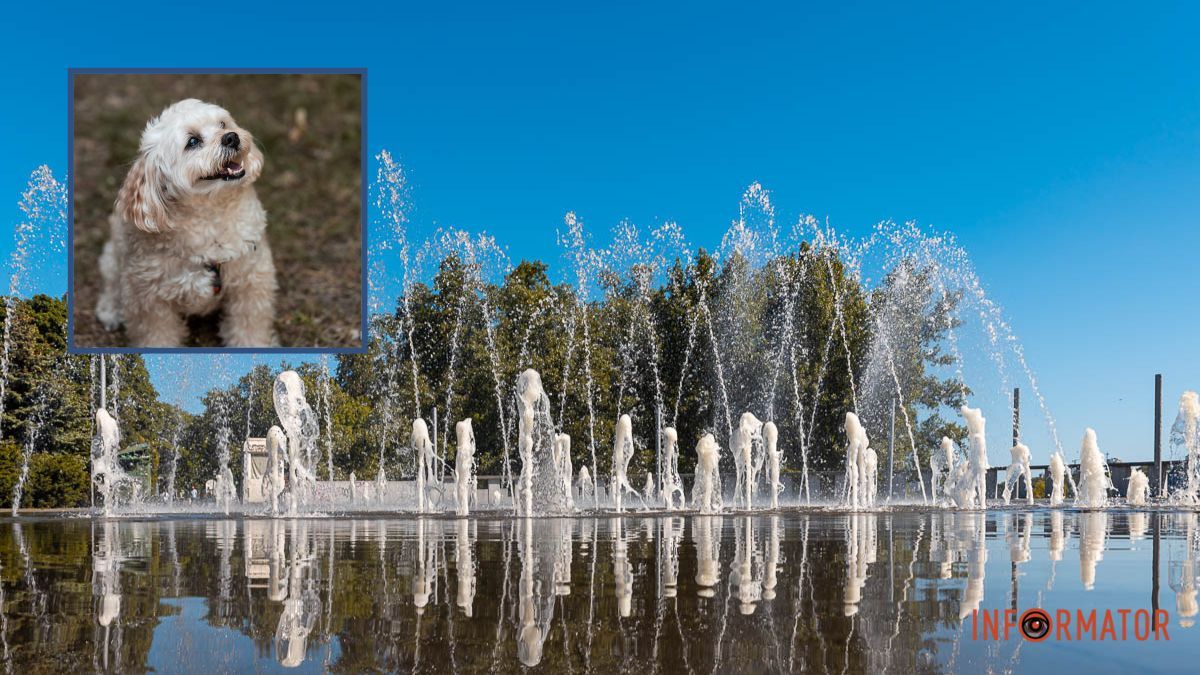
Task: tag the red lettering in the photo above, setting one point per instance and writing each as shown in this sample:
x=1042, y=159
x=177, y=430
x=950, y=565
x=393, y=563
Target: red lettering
x=1062, y=625
x=1108, y=628
x=1087, y=624
x=991, y=625
x=1141, y=625
x=1161, y=617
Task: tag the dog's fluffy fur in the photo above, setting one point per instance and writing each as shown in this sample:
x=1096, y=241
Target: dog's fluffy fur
x=189, y=234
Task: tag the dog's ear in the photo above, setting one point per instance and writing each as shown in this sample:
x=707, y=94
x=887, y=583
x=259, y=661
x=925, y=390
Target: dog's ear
x=143, y=198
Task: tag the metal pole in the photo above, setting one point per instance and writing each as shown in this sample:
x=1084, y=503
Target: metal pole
x=891, y=561
x=892, y=451
x=658, y=457
x=103, y=404
x=442, y=467
x=1158, y=475
x=1016, y=439
x=1016, y=415
x=1154, y=562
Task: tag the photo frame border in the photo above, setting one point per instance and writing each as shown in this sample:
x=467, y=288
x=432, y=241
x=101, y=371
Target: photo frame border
x=72, y=348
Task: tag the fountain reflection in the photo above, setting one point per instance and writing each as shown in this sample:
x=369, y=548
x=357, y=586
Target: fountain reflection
x=677, y=593
x=1093, y=526
x=106, y=584
x=1185, y=574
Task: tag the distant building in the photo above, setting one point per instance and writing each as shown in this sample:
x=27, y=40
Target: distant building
x=254, y=467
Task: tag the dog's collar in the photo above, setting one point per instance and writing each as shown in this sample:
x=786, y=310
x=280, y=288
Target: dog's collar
x=214, y=268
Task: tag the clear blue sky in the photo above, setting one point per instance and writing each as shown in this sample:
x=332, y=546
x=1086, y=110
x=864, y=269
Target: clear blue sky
x=1061, y=145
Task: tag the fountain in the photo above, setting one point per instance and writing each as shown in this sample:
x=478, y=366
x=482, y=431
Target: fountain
x=968, y=481
x=107, y=474
x=1018, y=469
x=941, y=466
x=274, y=478
x=544, y=472
x=300, y=425
x=529, y=395
x=622, y=453
x=224, y=489
x=422, y=447
x=584, y=483
x=774, y=461
x=1138, y=491
x=377, y=491
x=706, y=491
x=1185, y=434
x=672, y=484
x=746, y=445
x=1058, y=472
x=870, y=477
x=562, y=462
x=464, y=465
x=856, y=451
x=1094, y=481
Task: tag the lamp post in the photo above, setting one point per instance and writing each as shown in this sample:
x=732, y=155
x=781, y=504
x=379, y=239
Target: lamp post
x=1158, y=476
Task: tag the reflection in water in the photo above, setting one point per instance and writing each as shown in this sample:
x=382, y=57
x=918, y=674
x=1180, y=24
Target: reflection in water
x=824, y=592
x=301, y=606
x=706, y=530
x=742, y=571
x=106, y=583
x=1055, y=546
x=545, y=575
x=668, y=556
x=970, y=534
x=1185, y=574
x=1138, y=524
x=860, y=552
x=464, y=563
x=773, y=544
x=1093, y=525
x=622, y=570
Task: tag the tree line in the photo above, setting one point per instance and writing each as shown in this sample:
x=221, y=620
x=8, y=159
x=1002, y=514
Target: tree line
x=790, y=341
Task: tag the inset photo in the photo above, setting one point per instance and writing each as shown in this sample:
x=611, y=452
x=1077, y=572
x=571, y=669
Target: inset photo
x=217, y=210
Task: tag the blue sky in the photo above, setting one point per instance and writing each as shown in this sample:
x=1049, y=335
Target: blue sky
x=1061, y=145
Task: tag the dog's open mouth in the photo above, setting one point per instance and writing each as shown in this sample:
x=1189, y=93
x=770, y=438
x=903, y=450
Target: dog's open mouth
x=231, y=170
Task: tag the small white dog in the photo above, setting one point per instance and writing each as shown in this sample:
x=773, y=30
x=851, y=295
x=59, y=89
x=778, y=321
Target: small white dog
x=189, y=234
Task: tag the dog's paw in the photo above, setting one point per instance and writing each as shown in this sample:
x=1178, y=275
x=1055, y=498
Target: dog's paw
x=109, y=317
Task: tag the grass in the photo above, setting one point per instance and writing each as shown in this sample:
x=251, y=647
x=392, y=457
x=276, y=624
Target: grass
x=309, y=129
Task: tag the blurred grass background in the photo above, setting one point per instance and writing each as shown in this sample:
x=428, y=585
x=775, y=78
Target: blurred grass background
x=309, y=128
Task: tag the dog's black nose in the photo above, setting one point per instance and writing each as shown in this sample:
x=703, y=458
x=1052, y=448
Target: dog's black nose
x=231, y=140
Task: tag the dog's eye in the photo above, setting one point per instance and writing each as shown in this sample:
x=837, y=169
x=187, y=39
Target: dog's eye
x=193, y=142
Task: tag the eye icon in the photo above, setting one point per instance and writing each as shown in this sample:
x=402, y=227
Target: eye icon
x=1035, y=625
